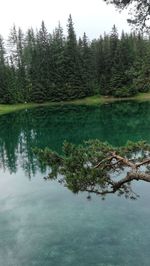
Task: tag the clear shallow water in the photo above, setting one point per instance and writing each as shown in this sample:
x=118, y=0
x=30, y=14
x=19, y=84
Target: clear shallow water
x=43, y=223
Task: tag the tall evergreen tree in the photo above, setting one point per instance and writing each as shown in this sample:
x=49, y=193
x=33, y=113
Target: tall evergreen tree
x=88, y=66
x=57, y=63
x=41, y=68
x=3, y=76
x=73, y=68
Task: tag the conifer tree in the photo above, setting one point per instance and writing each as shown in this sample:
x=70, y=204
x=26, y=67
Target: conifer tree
x=87, y=67
x=3, y=77
x=41, y=68
x=57, y=64
x=73, y=68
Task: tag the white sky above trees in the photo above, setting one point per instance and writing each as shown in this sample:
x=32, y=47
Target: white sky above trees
x=92, y=16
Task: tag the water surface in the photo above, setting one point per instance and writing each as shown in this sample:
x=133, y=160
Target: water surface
x=43, y=223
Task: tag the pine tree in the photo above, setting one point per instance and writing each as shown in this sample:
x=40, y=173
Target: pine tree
x=30, y=64
x=73, y=68
x=88, y=66
x=3, y=79
x=57, y=64
x=21, y=73
x=41, y=68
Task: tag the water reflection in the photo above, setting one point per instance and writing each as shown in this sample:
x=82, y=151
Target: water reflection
x=50, y=126
x=43, y=223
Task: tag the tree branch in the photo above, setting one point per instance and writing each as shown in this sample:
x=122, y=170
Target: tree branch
x=142, y=163
x=119, y=159
x=103, y=161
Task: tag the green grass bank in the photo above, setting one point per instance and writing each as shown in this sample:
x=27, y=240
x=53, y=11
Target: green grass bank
x=97, y=99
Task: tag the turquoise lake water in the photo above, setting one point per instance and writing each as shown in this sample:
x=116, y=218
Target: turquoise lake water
x=44, y=224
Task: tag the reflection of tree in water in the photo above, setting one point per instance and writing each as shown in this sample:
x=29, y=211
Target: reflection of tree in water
x=50, y=126
x=16, y=139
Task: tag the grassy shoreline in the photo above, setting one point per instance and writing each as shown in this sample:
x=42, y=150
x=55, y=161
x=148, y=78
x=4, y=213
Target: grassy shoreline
x=97, y=99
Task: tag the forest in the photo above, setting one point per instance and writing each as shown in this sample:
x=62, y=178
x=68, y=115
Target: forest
x=39, y=66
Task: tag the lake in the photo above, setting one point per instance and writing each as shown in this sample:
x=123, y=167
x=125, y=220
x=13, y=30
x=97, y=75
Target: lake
x=42, y=223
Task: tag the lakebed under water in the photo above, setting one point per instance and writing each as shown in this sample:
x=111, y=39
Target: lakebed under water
x=41, y=222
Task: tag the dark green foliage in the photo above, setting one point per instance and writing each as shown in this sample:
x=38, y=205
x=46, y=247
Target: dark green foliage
x=3, y=72
x=99, y=168
x=74, y=71
x=139, y=12
x=38, y=66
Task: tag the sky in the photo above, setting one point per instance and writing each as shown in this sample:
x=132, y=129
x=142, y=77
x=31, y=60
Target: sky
x=91, y=16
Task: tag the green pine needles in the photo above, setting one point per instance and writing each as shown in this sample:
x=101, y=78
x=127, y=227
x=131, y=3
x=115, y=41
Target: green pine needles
x=97, y=167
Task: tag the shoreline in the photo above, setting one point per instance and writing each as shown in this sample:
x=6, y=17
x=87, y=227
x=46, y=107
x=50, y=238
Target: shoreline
x=92, y=100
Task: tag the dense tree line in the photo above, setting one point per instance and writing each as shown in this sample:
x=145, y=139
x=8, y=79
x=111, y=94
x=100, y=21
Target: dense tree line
x=39, y=66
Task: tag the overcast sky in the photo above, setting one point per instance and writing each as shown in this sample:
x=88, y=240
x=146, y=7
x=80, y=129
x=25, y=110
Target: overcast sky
x=92, y=16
